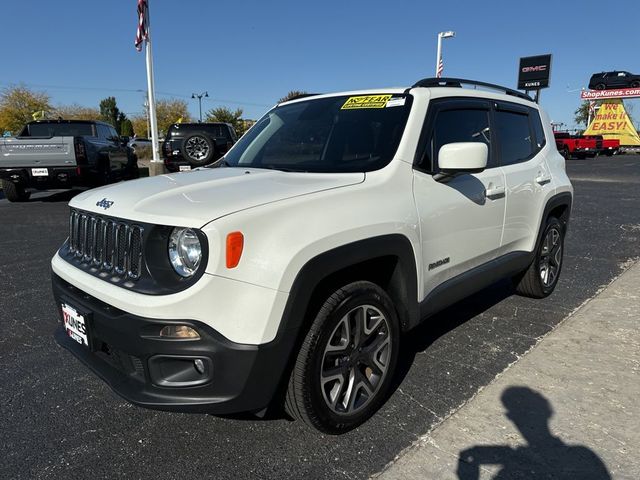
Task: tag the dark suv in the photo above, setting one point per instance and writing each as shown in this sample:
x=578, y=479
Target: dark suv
x=617, y=79
x=190, y=145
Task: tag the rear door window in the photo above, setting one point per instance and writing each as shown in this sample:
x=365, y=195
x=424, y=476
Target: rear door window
x=514, y=137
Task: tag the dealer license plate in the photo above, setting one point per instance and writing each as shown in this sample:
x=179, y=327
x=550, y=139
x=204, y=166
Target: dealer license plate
x=40, y=172
x=185, y=168
x=75, y=324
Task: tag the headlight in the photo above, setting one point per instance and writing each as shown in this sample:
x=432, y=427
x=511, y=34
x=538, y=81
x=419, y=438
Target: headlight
x=185, y=251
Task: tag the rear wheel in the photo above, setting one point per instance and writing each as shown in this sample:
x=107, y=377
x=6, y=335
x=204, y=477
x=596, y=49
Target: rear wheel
x=14, y=193
x=635, y=84
x=541, y=277
x=600, y=86
x=345, y=366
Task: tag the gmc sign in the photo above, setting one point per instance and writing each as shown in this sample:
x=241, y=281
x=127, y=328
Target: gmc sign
x=534, y=72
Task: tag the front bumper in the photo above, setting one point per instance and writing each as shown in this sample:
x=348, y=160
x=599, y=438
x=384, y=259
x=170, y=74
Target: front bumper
x=140, y=366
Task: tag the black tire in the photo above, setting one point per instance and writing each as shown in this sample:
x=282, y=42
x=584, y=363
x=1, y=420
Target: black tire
x=14, y=193
x=198, y=149
x=635, y=84
x=600, y=86
x=565, y=153
x=308, y=398
x=541, y=277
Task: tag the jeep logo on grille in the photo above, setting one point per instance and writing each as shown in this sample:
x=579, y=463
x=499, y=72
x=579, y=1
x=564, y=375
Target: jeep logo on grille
x=104, y=203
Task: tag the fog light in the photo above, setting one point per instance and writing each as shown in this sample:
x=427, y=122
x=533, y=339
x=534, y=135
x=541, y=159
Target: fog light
x=178, y=331
x=199, y=364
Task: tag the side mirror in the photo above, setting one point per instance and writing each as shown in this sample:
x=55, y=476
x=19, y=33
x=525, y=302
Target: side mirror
x=461, y=157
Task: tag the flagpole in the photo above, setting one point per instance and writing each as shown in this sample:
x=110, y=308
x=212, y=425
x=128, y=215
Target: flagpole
x=152, y=96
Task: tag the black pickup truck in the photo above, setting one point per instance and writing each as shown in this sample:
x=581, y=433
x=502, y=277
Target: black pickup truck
x=63, y=154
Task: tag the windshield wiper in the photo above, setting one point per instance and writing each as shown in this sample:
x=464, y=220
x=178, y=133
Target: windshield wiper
x=282, y=169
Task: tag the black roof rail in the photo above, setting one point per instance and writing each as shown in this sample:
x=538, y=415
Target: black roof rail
x=458, y=82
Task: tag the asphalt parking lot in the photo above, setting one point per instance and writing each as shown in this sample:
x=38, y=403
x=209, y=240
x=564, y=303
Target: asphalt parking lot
x=57, y=420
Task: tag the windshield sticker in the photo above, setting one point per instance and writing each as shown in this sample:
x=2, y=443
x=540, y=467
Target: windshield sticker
x=367, y=101
x=396, y=102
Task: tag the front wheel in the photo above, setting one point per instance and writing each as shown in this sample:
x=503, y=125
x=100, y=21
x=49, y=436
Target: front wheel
x=541, y=277
x=345, y=366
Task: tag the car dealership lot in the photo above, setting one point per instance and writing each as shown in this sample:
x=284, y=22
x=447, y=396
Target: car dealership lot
x=57, y=419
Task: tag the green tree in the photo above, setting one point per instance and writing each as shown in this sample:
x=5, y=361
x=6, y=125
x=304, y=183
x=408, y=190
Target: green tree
x=109, y=111
x=17, y=105
x=292, y=94
x=226, y=115
x=126, y=127
x=581, y=115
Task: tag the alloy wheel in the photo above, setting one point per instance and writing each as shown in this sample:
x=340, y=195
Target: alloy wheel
x=550, y=257
x=197, y=148
x=356, y=360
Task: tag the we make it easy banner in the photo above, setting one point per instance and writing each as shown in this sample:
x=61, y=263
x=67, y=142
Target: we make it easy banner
x=612, y=122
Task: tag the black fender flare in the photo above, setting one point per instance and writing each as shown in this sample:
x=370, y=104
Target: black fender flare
x=564, y=199
x=277, y=355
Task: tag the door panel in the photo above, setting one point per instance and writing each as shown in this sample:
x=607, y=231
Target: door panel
x=461, y=218
x=527, y=176
x=460, y=226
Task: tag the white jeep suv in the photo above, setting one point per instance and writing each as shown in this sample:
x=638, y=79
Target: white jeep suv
x=289, y=274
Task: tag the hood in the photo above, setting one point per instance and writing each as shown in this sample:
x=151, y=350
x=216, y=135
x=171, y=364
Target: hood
x=193, y=199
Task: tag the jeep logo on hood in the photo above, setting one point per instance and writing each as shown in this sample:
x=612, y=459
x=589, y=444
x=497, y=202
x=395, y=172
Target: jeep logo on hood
x=104, y=203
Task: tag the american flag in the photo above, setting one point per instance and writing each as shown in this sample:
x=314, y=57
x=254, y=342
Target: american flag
x=142, y=33
x=440, y=68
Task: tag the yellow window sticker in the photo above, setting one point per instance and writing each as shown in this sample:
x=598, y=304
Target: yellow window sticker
x=366, y=101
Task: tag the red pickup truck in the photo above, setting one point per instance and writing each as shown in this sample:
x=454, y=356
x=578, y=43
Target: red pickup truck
x=605, y=146
x=575, y=145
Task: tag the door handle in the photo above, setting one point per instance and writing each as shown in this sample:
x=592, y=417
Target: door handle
x=494, y=192
x=542, y=179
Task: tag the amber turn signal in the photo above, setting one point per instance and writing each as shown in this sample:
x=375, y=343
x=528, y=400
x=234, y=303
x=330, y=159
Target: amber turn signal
x=235, y=244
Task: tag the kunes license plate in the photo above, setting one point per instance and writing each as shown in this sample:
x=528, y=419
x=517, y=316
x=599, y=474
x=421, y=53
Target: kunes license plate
x=75, y=324
x=39, y=172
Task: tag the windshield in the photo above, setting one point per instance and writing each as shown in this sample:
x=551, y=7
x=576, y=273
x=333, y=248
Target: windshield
x=58, y=130
x=337, y=134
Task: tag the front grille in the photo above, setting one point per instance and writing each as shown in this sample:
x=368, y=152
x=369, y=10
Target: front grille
x=107, y=244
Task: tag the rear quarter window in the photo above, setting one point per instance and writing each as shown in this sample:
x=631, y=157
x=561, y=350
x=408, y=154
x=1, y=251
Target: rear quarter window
x=538, y=130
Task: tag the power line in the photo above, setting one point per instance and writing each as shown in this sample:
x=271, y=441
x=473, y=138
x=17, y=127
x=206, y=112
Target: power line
x=131, y=90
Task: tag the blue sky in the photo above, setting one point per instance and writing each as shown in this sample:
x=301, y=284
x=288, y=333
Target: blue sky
x=250, y=53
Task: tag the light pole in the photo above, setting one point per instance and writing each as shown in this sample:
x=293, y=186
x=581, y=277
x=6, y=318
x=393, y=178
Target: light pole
x=199, y=97
x=439, y=64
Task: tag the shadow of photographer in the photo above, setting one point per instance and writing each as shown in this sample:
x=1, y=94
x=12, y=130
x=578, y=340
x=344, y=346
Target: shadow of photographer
x=543, y=455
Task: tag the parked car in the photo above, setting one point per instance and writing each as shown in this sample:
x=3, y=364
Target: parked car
x=63, y=154
x=139, y=142
x=615, y=79
x=190, y=145
x=334, y=226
